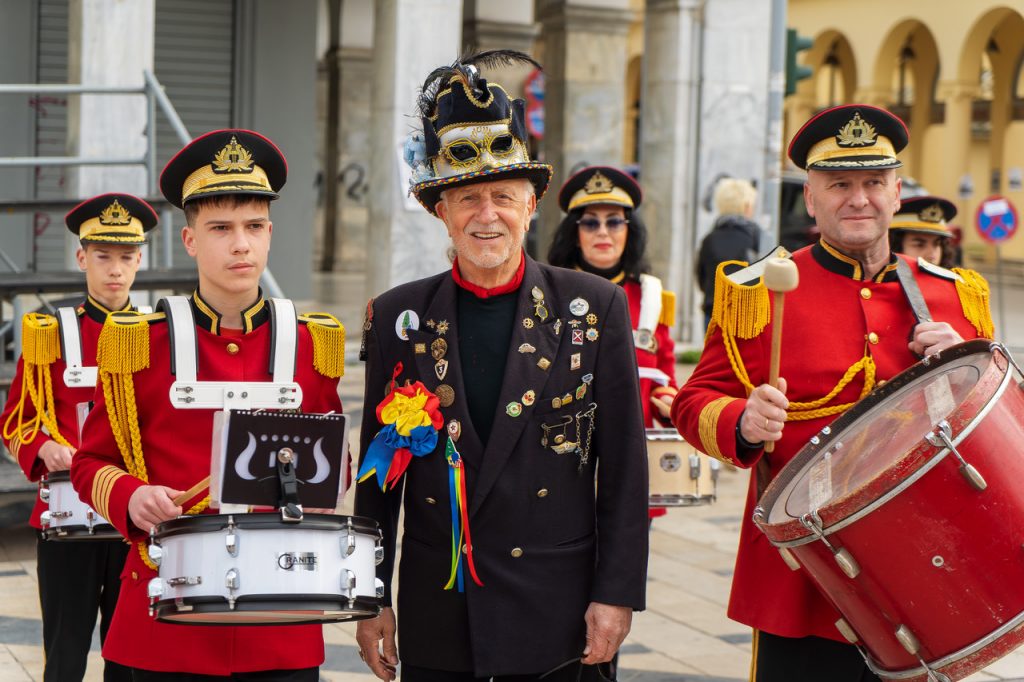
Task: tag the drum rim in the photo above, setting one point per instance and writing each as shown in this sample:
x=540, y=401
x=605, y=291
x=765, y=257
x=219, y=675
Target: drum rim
x=62, y=476
x=842, y=512
x=102, y=532
x=209, y=523
x=364, y=606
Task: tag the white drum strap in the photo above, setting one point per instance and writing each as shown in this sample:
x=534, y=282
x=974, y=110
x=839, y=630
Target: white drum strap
x=75, y=375
x=187, y=392
x=650, y=303
x=654, y=374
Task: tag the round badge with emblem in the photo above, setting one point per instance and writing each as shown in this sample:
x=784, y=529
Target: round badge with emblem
x=529, y=397
x=579, y=307
x=514, y=409
x=407, y=319
x=592, y=334
x=445, y=395
x=528, y=323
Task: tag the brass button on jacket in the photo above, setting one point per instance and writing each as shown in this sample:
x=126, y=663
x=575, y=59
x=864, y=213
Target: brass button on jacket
x=543, y=492
x=865, y=293
x=517, y=552
x=232, y=348
x=873, y=337
x=430, y=500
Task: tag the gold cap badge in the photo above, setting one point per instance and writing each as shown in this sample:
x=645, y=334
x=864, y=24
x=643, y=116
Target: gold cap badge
x=233, y=158
x=598, y=184
x=115, y=214
x=856, y=133
x=932, y=214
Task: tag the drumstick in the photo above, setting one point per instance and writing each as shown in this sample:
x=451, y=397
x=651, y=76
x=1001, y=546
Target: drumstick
x=191, y=492
x=780, y=276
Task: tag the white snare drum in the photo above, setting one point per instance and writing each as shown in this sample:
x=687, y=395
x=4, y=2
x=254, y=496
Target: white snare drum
x=68, y=518
x=680, y=476
x=256, y=569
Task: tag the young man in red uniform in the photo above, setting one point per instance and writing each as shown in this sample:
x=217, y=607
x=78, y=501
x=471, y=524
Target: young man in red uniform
x=141, y=452
x=43, y=433
x=848, y=328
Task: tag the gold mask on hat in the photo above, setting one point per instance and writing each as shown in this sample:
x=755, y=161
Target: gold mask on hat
x=470, y=148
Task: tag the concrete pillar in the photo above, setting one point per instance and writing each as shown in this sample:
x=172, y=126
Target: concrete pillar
x=411, y=37
x=585, y=59
x=958, y=96
x=501, y=25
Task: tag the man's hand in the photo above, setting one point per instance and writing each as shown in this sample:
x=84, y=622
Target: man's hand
x=153, y=504
x=765, y=414
x=932, y=337
x=662, y=398
x=369, y=633
x=55, y=456
x=607, y=626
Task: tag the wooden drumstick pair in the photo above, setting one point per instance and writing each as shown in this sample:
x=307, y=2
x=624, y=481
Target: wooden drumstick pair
x=780, y=276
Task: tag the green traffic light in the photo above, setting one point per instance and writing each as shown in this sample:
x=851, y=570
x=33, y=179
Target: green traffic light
x=796, y=43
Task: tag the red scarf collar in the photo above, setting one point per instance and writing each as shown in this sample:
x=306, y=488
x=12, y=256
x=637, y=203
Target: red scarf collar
x=480, y=292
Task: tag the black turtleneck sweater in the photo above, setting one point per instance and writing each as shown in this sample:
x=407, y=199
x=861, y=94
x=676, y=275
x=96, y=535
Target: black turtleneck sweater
x=485, y=327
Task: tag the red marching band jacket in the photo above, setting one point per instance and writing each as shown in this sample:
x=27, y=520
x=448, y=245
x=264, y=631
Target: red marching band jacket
x=28, y=426
x=840, y=332
x=158, y=444
x=655, y=350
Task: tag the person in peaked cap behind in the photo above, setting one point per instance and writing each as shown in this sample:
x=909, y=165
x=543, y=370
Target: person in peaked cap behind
x=76, y=576
x=141, y=450
x=921, y=229
x=846, y=331
x=506, y=387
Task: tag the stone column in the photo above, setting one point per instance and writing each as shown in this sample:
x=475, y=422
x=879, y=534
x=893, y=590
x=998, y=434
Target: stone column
x=501, y=25
x=956, y=156
x=411, y=37
x=584, y=100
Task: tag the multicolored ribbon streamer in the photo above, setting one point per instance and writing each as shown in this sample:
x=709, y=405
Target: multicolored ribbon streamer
x=460, y=519
x=411, y=417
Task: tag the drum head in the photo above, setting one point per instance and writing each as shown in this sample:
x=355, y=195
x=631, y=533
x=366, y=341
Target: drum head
x=879, y=442
x=267, y=610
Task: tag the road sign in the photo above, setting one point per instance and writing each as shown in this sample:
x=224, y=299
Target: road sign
x=996, y=219
x=534, y=90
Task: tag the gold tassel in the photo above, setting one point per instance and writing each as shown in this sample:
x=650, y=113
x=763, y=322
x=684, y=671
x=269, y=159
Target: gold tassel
x=328, y=336
x=123, y=346
x=40, y=339
x=668, y=308
x=974, y=298
x=740, y=310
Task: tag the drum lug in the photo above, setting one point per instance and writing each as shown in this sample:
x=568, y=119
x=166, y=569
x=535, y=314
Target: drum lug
x=45, y=518
x=61, y=514
x=908, y=640
x=812, y=522
x=378, y=552
x=44, y=493
x=156, y=553
x=155, y=590
x=846, y=631
x=185, y=580
x=90, y=519
x=348, y=540
x=232, y=580
x=716, y=467
x=942, y=436
x=231, y=539
x=348, y=583
x=694, y=467
x=790, y=560
x=378, y=588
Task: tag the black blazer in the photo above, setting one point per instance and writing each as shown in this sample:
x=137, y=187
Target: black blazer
x=545, y=543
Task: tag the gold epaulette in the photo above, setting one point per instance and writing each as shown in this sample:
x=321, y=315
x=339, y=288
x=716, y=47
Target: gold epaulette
x=123, y=346
x=741, y=310
x=40, y=339
x=973, y=291
x=328, y=336
x=668, y=308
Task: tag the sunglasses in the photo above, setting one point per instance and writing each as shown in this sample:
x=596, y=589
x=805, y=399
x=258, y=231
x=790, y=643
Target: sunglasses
x=614, y=224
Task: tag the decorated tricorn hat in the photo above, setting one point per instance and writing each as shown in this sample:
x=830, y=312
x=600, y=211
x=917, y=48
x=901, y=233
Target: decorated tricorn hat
x=232, y=161
x=850, y=137
x=111, y=219
x=472, y=130
x=600, y=185
x=925, y=214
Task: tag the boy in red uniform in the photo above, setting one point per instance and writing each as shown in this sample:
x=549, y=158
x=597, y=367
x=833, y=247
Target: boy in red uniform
x=41, y=429
x=142, y=451
x=847, y=327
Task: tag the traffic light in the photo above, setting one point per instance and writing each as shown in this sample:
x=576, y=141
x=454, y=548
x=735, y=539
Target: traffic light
x=796, y=43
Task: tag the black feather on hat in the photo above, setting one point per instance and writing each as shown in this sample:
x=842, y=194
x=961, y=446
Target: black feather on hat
x=472, y=130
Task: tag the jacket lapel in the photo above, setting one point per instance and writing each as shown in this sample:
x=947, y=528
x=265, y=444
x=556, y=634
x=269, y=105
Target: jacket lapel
x=523, y=372
x=442, y=309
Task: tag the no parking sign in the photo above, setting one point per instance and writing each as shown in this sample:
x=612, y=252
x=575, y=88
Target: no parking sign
x=996, y=219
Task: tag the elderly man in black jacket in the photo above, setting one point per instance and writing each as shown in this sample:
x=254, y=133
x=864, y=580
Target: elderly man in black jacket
x=510, y=427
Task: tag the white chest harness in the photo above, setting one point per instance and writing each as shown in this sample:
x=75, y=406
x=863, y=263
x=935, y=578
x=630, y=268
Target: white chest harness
x=188, y=393
x=75, y=375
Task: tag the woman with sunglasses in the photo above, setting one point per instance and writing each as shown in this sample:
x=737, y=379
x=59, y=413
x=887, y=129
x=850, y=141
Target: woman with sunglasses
x=603, y=234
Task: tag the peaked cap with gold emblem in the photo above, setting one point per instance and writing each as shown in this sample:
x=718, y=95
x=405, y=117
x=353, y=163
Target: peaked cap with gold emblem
x=111, y=219
x=925, y=214
x=472, y=130
x=850, y=137
x=232, y=161
x=600, y=185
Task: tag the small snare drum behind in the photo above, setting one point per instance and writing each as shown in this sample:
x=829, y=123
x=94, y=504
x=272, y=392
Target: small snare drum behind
x=680, y=476
x=259, y=569
x=68, y=518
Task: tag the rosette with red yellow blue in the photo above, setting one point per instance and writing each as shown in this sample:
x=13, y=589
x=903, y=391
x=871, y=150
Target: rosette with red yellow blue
x=411, y=418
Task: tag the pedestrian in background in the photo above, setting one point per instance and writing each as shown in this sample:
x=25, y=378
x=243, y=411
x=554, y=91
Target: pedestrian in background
x=734, y=236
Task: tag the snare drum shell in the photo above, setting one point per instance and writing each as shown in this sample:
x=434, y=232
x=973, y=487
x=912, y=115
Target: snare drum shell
x=940, y=558
x=84, y=523
x=670, y=471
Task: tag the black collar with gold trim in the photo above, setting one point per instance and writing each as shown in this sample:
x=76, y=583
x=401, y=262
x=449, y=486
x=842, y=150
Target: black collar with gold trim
x=832, y=260
x=209, y=319
x=97, y=311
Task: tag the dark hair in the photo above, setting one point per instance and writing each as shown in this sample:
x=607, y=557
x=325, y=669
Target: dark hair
x=221, y=201
x=947, y=259
x=565, y=247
